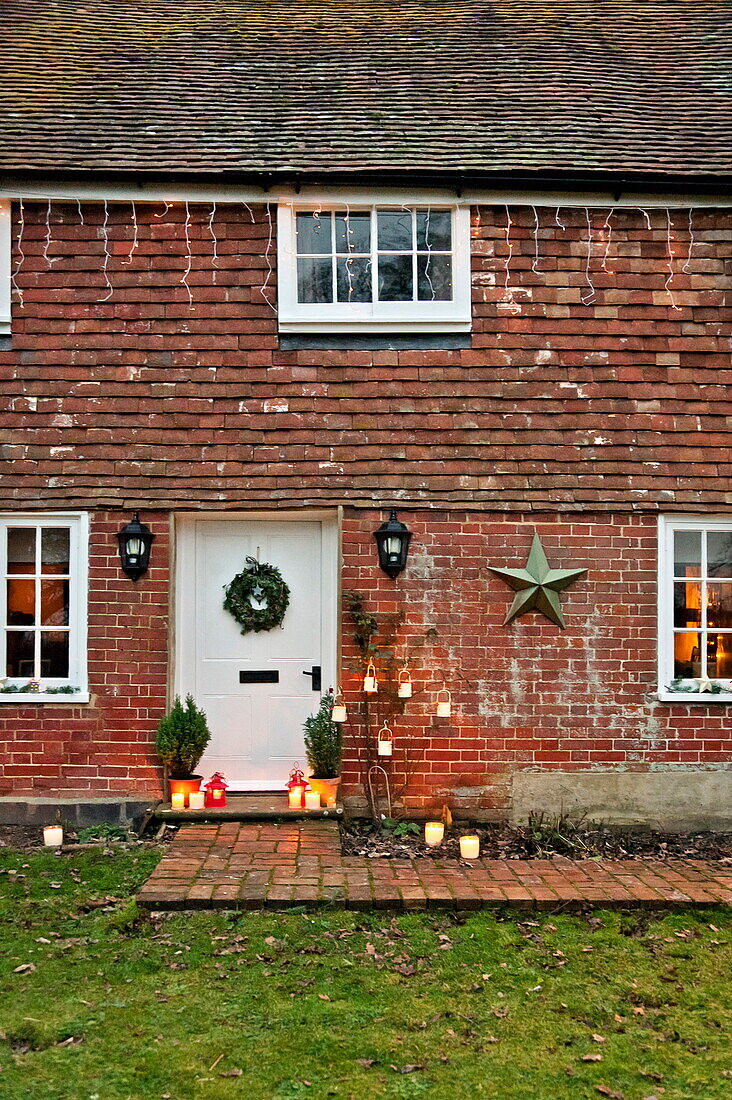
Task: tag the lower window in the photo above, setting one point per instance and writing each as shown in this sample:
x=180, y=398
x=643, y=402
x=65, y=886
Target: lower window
x=695, y=613
x=44, y=566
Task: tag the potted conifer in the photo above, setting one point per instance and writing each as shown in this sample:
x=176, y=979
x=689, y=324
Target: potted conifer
x=324, y=748
x=183, y=735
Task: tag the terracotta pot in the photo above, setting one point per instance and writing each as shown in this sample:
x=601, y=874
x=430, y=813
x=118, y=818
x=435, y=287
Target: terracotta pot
x=326, y=788
x=185, y=786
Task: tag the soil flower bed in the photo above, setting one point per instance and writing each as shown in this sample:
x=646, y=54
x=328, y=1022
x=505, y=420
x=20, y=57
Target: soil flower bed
x=540, y=838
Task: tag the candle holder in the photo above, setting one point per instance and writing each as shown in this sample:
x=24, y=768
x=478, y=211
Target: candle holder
x=370, y=683
x=469, y=846
x=338, y=713
x=384, y=745
x=404, y=687
x=444, y=706
x=434, y=833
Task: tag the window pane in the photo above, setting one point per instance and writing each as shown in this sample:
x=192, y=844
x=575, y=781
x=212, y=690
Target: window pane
x=354, y=279
x=719, y=553
x=395, y=278
x=21, y=550
x=719, y=605
x=54, y=603
x=353, y=233
x=55, y=543
x=434, y=229
x=719, y=656
x=395, y=230
x=434, y=278
x=687, y=604
x=21, y=603
x=313, y=233
x=54, y=653
x=20, y=653
x=687, y=553
x=687, y=655
x=314, y=281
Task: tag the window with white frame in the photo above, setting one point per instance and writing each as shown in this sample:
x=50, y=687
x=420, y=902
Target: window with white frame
x=695, y=611
x=44, y=566
x=374, y=268
x=5, y=250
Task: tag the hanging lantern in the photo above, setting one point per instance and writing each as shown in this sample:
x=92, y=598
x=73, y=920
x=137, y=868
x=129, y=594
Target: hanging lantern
x=338, y=713
x=296, y=786
x=392, y=540
x=370, y=684
x=444, y=704
x=215, y=792
x=135, y=540
x=384, y=745
x=404, y=687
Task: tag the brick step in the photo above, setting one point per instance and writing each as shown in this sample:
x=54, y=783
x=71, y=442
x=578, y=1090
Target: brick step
x=249, y=807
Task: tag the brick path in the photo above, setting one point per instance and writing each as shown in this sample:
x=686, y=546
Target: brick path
x=249, y=866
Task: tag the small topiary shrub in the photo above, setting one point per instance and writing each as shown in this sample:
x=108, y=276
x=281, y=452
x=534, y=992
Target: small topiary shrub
x=183, y=735
x=324, y=741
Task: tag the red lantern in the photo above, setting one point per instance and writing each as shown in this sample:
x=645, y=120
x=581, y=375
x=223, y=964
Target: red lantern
x=296, y=787
x=215, y=792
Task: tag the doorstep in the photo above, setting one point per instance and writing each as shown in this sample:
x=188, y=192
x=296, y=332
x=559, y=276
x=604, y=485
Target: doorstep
x=253, y=865
x=249, y=807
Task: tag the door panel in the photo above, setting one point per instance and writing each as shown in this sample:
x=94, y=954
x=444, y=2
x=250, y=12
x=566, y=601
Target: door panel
x=256, y=727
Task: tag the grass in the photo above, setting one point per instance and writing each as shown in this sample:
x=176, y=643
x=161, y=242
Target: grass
x=210, y=1006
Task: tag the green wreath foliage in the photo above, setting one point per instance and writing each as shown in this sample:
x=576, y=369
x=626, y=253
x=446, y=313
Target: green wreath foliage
x=257, y=576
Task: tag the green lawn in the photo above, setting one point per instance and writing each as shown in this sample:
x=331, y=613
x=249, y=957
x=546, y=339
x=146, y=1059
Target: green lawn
x=344, y=1004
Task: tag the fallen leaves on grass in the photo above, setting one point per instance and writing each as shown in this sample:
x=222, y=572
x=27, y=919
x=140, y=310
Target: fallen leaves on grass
x=605, y=1091
x=25, y=968
x=407, y=1068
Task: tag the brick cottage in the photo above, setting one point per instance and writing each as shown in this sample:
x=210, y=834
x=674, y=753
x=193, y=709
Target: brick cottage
x=273, y=270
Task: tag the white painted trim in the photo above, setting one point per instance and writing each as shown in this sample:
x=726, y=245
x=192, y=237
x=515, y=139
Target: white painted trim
x=374, y=316
x=184, y=550
x=32, y=189
x=666, y=527
x=78, y=523
x=5, y=250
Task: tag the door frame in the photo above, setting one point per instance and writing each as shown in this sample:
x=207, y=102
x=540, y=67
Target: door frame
x=183, y=527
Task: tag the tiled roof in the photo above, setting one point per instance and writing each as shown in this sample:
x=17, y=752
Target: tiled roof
x=626, y=86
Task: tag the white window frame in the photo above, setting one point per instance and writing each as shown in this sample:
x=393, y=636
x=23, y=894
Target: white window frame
x=78, y=524
x=667, y=525
x=371, y=317
x=5, y=251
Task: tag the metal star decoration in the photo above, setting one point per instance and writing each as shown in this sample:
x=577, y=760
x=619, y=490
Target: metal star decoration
x=537, y=586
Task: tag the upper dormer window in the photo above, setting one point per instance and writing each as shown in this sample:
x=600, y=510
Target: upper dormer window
x=374, y=268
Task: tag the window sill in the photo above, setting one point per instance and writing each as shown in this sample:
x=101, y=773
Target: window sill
x=25, y=698
x=694, y=697
x=361, y=341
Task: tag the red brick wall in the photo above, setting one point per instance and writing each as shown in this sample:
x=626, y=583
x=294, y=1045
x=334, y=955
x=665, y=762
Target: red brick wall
x=105, y=746
x=525, y=695
x=128, y=395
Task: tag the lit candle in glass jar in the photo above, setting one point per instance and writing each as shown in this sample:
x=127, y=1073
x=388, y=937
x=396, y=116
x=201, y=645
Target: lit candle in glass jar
x=178, y=800
x=53, y=836
x=195, y=800
x=434, y=832
x=404, y=689
x=444, y=707
x=294, y=798
x=469, y=847
x=312, y=800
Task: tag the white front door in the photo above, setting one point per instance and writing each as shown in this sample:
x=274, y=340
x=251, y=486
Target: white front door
x=254, y=687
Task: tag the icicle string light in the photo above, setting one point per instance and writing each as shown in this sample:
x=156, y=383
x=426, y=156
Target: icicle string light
x=588, y=295
x=165, y=211
x=105, y=238
x=429, y=251
x=251, y=212
x=189, y=257
x=135, y=234
x=685, y=268
x=535, y=261
x=47, y=241
x=557, y=219
x=607, y=228
x=21, y=258
x=507, y=293
x=646, y=216
x=669, y=263
x=348, y=235
x=81, y=212
x=212, y=231
x=265, y=284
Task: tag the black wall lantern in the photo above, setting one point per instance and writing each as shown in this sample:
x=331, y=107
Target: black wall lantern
x=392, y=539
x=135, y=540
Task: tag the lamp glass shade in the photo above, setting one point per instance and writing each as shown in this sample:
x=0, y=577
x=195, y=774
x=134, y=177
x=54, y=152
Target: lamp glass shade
x=135, y=540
